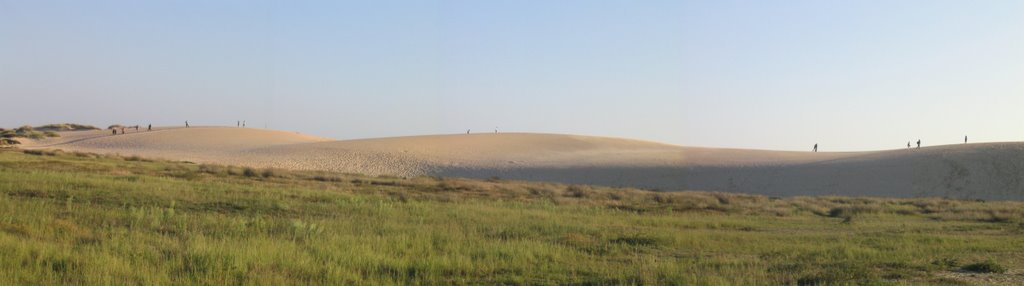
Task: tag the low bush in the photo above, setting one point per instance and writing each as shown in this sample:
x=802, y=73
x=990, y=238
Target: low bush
x=267, y=173
x=249, y=172
x=946, y=263
x=43, y=152
x=66, y=127
x=985, y=267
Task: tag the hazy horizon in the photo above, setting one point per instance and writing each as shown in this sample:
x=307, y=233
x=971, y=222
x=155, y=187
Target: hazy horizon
x=780, y=75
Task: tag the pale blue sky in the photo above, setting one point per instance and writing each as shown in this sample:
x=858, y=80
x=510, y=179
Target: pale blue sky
x=850, y=75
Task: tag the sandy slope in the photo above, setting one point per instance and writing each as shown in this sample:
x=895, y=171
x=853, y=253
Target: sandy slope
x=984, y=171
x=197, y=144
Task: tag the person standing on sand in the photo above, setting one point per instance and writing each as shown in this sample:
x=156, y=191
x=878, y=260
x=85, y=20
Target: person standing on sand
x=186, y=123
x=149, y=128
x=908, y=144
x=918, y=143
x=136, y=128
x=965, y=139
x=467, y=131
x=815, y=147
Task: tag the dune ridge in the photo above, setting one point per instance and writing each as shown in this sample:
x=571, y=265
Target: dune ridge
x=972, y=171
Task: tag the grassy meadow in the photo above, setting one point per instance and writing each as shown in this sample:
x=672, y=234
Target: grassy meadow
x=74, y=218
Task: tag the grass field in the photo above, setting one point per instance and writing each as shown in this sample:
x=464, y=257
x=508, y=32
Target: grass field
x=88, y=219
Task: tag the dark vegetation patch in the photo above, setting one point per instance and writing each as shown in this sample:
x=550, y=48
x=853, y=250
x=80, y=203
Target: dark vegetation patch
x=66, y=127
x=44, y=152
x=985, y=267
x=636, y=240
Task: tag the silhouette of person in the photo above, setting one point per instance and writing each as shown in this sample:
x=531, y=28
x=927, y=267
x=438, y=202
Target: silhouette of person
x=186, y=123
x=136, y=128
x=149, y=128
x=908, y=144
x=243, y=123
x=965, y=139
x=495, y=130
x=918, y=143
x=238, y=124
x=467, y=131
x=815, y=147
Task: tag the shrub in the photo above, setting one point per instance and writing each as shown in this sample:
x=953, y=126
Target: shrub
x=43, y=152
x=985, y=267
x=85, y=155
x=51, y=134
x=33, y=152
x=66, y=127
x=267, y=173
x=636, y=240
x=575, y=192
x=324, y=178
x=210, y=169
x=946, y=263
x=850, y=211
x=249, y=172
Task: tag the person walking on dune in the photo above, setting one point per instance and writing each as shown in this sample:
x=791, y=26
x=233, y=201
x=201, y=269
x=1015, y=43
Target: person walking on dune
x=965, y=139
x=815, y=147
x=149, y=128
x=918, y=143
x=186, y=123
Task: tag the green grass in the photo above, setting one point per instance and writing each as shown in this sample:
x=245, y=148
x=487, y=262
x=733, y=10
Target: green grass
x=65, y=127
x=74, y=218
x=24, y=132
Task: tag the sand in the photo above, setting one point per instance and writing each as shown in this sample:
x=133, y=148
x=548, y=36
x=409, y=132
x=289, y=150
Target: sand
x=992, y=171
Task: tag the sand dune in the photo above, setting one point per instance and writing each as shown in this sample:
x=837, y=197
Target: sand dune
x=980, y=171
x=197, y=144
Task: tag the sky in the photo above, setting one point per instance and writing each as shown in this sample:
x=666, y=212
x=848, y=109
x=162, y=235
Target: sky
x=784, y=75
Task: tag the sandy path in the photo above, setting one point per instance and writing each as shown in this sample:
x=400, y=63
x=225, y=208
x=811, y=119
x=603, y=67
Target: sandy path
x=983, y=171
